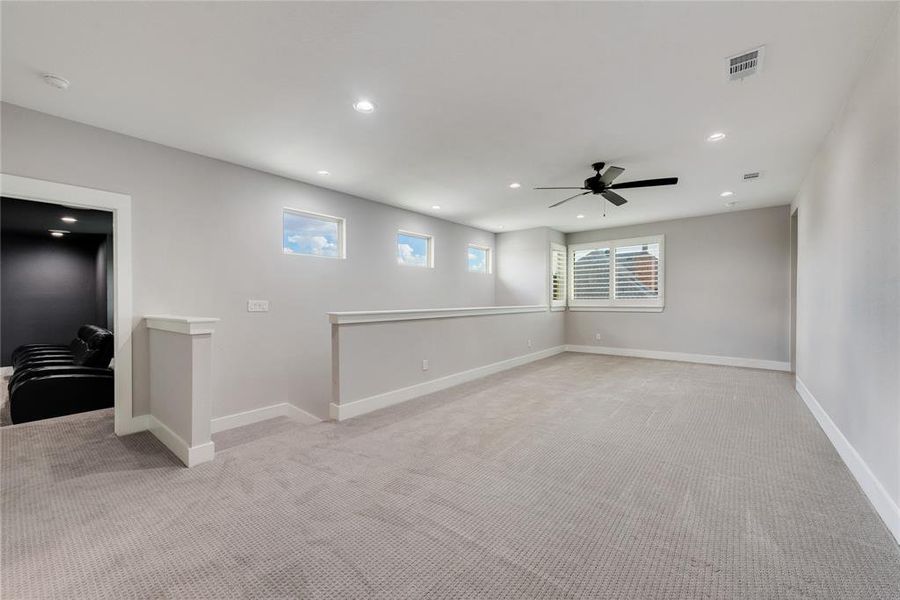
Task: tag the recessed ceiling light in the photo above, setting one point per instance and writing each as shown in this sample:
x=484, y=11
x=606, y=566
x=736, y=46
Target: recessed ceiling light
x=364, y=106
x=579, y=216
x=69, y=219
x=57, y=232
x=718, y=136
x=322, y=172
x=60, y=83
x=435, y=207
x=726, y=193
x=515, y=185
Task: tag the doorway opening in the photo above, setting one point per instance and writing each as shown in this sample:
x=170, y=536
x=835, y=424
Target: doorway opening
x=56, y=310
x=118, y=291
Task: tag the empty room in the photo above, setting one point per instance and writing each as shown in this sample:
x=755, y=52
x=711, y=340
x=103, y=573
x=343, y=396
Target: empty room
x=450, y=300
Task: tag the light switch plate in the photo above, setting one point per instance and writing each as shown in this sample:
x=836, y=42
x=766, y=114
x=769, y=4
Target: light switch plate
x=257, y=306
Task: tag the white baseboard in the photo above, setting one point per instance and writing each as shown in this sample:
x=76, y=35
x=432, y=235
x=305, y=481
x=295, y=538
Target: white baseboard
x=189, y=455
x=341, y=412
x=132, y=425
x=884, y=505
x=248, y=417
x=707, y=359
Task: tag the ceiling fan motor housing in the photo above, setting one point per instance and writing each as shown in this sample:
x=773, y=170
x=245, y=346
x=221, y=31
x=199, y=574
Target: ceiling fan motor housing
x=594, y=184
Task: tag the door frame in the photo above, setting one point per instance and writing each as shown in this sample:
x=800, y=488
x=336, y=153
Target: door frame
x=26, y=188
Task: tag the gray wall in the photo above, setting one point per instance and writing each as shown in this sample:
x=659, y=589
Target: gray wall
x=727, y=289
x=523, y=265
x=848, y=286
x=207, y=237
x=48, y=288
x=382, y=357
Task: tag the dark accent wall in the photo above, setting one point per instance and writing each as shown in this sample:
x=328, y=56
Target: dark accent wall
x=49, y=287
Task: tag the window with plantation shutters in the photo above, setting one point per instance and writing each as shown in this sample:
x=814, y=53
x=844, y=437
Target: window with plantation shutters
x=617, y=275
x=558, y=275
x=590, y=273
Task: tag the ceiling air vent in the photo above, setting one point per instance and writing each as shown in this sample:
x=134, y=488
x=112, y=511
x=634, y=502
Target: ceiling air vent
x=745, y=64
x=751, y=176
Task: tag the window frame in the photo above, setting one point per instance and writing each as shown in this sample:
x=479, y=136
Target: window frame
x=614, y=304
x=562, y=303
x=341, y=232
x=488, y=258
x=429, y=263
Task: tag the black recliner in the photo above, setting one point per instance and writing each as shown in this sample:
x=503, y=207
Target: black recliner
x=52, y=380
x=81, y=343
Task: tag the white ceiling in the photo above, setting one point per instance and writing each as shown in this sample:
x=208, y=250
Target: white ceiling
x=470, y=96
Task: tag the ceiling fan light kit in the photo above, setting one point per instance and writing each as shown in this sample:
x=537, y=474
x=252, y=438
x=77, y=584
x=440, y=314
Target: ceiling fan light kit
x=603, y=185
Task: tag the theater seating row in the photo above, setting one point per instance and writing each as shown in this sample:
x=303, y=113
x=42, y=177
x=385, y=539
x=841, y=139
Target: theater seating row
x=50, y=380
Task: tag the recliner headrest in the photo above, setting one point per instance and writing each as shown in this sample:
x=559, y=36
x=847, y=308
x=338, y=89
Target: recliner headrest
x=86, y=332
x=94, y=348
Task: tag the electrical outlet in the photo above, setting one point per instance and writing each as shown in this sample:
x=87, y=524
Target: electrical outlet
x=530, y=345
x=425, y=364
x=257, y=306
x=598, y=337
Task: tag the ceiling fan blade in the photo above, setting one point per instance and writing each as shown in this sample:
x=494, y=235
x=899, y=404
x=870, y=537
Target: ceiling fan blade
x=614, y=198
x=645, y=183
x=611, y=173
x=560, y=188
x=569, y=198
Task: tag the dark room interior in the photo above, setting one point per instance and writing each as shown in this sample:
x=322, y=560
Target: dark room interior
x=52, y=284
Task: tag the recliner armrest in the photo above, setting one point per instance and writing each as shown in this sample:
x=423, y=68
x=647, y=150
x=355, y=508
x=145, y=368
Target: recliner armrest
x=24, y=357
x=50, y=359
x=45, y=370
x=29, y=347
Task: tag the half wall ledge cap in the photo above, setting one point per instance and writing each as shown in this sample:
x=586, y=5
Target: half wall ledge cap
x=181, y=324
x=380, y=316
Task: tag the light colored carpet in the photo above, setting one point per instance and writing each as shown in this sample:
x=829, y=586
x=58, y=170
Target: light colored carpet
x=574, y=477
x=4, y=402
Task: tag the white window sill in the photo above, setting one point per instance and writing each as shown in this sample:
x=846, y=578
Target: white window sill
x=616, y=308
x=557, y=308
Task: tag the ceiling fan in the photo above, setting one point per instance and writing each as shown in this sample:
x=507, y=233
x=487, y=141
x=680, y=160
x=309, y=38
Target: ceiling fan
x=603, y=185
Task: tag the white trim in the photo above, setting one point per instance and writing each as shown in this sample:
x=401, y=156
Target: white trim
x=488, y=255
x=378, y=316
x=248, y=417
x=190, y=455
x=559, y=304
x=341, y=412
x=136, y=424
x=558, y=308
x=342, y=231
x=6, y=371
x=707, y=359
x=617, y=308
x=619, y=304
x=884, y=505
x=26, y=188
x=429, y=264
x=178, y=324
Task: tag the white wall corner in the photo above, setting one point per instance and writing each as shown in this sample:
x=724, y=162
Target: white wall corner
x=249, y=417
x=881, y=500
x=191, y=456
